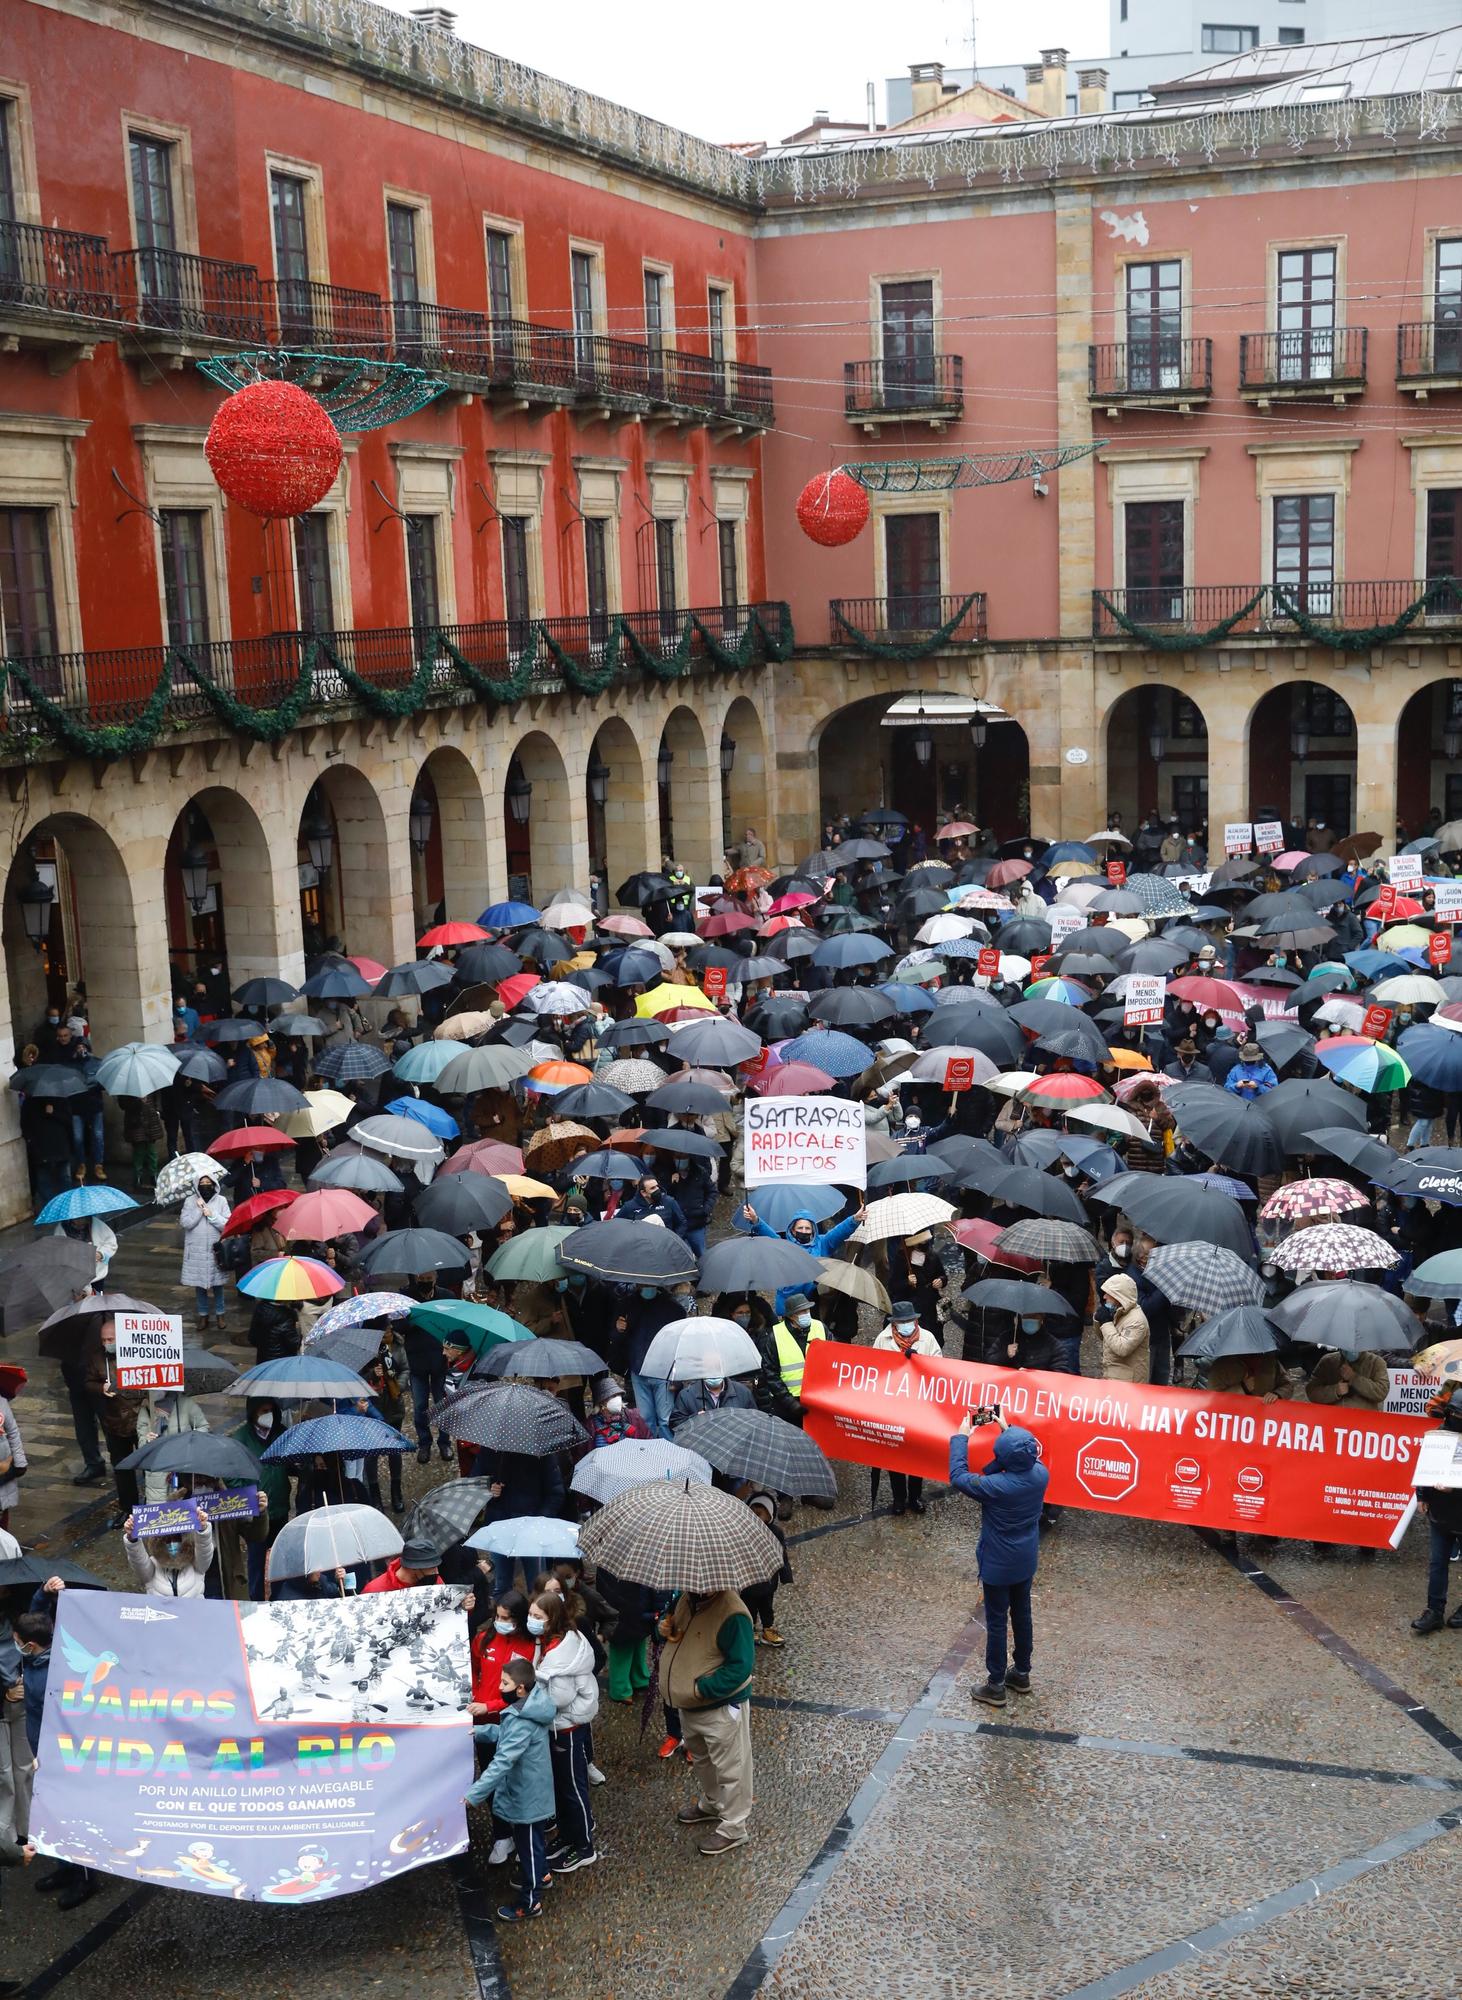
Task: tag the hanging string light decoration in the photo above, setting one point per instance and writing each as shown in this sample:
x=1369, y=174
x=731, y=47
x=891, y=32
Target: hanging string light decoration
x=832, y=509
x=273, y=450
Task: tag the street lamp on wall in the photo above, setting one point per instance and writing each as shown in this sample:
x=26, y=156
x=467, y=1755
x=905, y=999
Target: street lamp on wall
x=193, y=867
x=663, y=762
x=979, y=729
x=520, y=794
x=728, y=755
x=35, y=900
x=1156, y=743
x=923, y=738
x=598, y=780
x=318, y=834
x=1299, y=741
x=419, y=822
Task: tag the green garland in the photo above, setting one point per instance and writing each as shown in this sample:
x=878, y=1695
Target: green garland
x=756, y=638
x=1164, y=640
x=1364, y=637
x=589, y=680
x=264, y=725
x=672, y=667
x=388, y=701
x=118, y=739
x=496, y=688
x=919, y=649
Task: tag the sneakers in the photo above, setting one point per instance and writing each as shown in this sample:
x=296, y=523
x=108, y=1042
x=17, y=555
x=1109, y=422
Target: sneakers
x=992, y=1694
x=500, y=1853
x=444, y=1452
x=1431, y=1620
x=667, y=1749
x=571, y=1859
x=696, y=1814
x=1018, y=1683
x=770, y=1636
x=722, y=1843
x=596, y=1776
x=515, y=1913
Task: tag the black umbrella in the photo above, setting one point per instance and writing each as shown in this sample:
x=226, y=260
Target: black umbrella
x=1357, y=1149
x=1224, y=1129
x=714, y=1043
x=1015, y=1295
x=725, y=956
x=907, y=1170
x=351, y=1166
x=850, y=1007
x=1103, y=939
x=1088, y=965
x=1173, y=1210
x=686, y=1098
x=205, y=1370
x=1153, y=955
x=792, y=944
x=1036, y=1192
x=540, y=1360
x=1241, y=1330
x=1282, y=1041
x=629, y=965
x=592, y=1100
x=987, y=1029
x=756, y=1264
x=678, y=1139
x=457, y=1203
x=511, y=1417
x=922, y=902
x=751, y=1444
x=1060, y=1029
x=32, y=1570
x=231, y=1028
x=1428, y=1180
x=1296, y=1107
x=338, y=981
x=256, y=1095
x=263, y=993
x=201, y=1065
x=1024, y=935
x=58, y=1335
x=646, y=887
x=53, y=1080
x=41, y=1275
x=410, y=1253
x=628, y=1253
x=1354, y=1317
x=448, y=1514
x=777, y=1020
x=547, y=947
x=486, y=964
x=417, y=975
x=212, y=1454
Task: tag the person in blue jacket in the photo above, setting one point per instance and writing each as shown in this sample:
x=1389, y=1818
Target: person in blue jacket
x=519, y=1782
x=1252, y=1075
x=804, y=1232
x=1012, y=1492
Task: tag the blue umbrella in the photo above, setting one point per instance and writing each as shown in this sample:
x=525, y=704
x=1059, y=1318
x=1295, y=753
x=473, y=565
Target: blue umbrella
x=1375, y=964
x=632, y=967
x=360, y=1309
x=907, y=999
x=1434, y=1055
x=780, y=1201
x=851, y=948
x=959, y=948
x=827, y=1048
x=425, y=1063
x=529, y=1535
x=137, y=1069
x=1225, y=1184
x=507, y=916
x=301, y=1378
x=342, y=1431
x=352, y=1062
x=79, y=1201
x=1067, y=850
x=200, y=1065
x=432, y=1116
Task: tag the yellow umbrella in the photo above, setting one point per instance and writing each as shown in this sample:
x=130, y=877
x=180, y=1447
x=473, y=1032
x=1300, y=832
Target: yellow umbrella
x=522, y=1188
x=660, y=999
x=1401, y=935
x=1075, y=868
x=327, y=1109
x=1442, y=1361
x=1132, y=927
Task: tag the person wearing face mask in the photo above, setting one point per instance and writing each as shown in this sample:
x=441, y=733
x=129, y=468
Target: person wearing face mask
x=644, y=1314
x=804, y=1232
x=650, y=1199
x=1187, y=1066
x=903, y=1335
x=564, y=1660
x=754, y=1316
x=263, y=1421
x=1122, y=1325
x=165, y=1413
x=416, y=1565
x=1252, y=1076
x=714, y=1393
x=204, y=1213
x=693, y=1189
x=519, y=1783
x=614, y=1420
x=792, y=1335
x=504, y=1637
x=117, y=1410
x=169, y=1565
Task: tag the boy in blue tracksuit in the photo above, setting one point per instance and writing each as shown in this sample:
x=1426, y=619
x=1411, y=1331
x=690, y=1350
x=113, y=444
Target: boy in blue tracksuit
x=804, y=1232
x=1012, y=1492
x=519, y=1780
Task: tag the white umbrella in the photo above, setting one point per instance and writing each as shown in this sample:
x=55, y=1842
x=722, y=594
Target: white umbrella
x=402, y=1138
x=948, y=925
x=1076, y=895
x=614, y=1468
x=137, y=1069
x=330, y=1538
x=931, y=1065
x=1011, y=1082
x=1410, y=989
x=325, y=1109
x=691, y=1350
x=556, y=996
x=1108, y=837
x=904, y=1214
x=567, y=912
x=1110, y=1118
x=1339, y=1013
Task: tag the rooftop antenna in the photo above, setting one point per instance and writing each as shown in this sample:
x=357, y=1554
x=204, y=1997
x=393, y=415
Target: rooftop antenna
x=974, y=57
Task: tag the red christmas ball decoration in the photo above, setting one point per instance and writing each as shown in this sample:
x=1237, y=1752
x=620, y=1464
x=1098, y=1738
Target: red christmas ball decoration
x=832, y=509
x=273, y=449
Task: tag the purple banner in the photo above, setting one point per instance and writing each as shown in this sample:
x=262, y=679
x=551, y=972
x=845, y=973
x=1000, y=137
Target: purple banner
x=279, y=1753
x=183, y=1516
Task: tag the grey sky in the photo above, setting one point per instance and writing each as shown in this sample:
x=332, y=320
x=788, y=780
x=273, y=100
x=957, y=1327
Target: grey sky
x=757, y=69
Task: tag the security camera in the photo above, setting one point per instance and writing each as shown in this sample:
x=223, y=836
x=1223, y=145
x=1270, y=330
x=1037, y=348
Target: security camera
x=1039, y=487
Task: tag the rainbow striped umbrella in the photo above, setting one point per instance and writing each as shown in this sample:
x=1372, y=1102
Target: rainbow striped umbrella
x=1369, y=1066
x=1070, y=991
x=291, y=1278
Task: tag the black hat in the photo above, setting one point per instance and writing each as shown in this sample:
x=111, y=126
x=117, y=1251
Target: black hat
x=902, y=1309
x=418, y=1555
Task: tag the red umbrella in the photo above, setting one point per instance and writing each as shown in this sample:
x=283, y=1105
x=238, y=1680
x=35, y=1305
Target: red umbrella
x=980, y=1237
x=1007, y=871
x=784, y=923
x=793, y=1079
x=368, y=968
x=457, y=933
x=795, y=899
x=724, y=925
x=745, y=880
x=484, y=1156
x=254, y=1210
x=1218, y=994
x=250, y=1139
x=327, y=1212
x=1067, y=1087
x=510, y=991
x=957, y=829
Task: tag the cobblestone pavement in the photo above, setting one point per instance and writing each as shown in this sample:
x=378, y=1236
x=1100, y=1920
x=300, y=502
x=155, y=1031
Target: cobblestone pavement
x=1234, y=1778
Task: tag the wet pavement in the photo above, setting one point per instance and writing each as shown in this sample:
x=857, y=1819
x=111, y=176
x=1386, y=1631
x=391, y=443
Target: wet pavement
x=1233, y=1778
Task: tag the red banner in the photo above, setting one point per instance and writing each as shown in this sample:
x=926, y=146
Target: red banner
x=1116, y=873
x=1375, y=1021
x=713, y=982
x=987, y=965
x=1439, y=948
x=1305, y=1471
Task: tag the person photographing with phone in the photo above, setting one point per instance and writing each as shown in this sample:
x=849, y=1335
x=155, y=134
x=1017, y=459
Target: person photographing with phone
x=1012, y=1491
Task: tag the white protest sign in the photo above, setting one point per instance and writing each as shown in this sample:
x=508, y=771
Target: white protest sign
x=1269, y=835
x=1403, y=871
x=1409, y=1392
x=1194, y=885
x=1439, y=1462
x=1238, y=836
x=1448, y=896
x=1063, y=920
x=817, y=1139
x=1142, y=999
x=149, y=1350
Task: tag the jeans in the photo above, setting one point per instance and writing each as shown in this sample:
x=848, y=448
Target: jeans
x=1443, y=1543
x=1008, y=1602
x=695, y=1239
x=426, y=1390
x=505, y=1570
x=220, y=1300
x=1068, y=1353
x=88, y=1430
x=527, y=1838
x=1160, y=1359
x=653, y=1400
x=569, y=1751
x=1420, y=1133
x=53, y=1177
x=88, y=1139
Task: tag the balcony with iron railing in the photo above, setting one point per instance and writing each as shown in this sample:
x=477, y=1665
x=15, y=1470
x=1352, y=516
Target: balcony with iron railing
x=1307, y=363
x=1429, y=355
x=180, y=299
x=921, y=618
x=57, y=287
x=111, y=688
x=336, y=319
x=914, y=388
x=1220, y=612
x=1163, y=373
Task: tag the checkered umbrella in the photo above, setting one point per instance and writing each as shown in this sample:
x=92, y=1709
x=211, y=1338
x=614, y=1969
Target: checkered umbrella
x=509, y=1416
x=677, y=1535
x=1313, y=1197
x=902, y=1215
x=1051, y=1242
x=1156, y=896
x=750, y=1444
x=448, y=1514
x=1204, y=1277
x=615, y=1468
x=352, y=1062
x=1335, y=1246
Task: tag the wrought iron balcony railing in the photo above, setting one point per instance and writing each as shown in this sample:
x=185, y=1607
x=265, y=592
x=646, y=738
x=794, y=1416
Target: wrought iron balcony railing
x=301, y=313
x=1429, y=353
x=957, y=619
x=1219, y=611
x=1328, y=359
x=912, y=385
x=191, y=298
x=1164, y=368
x=59, y=273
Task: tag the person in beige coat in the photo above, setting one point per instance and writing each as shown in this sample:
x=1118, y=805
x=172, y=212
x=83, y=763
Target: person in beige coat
x=1124, y=1331
x=1354, y=1379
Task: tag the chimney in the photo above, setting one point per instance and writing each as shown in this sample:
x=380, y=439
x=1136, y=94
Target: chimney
x=821, y=117
x=927, y=85
x=443, y=19
x=1035, y=89
x=1091, y=91
x=1053, y=82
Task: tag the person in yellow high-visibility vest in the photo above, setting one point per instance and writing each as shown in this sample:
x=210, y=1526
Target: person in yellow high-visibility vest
x=792, y=1334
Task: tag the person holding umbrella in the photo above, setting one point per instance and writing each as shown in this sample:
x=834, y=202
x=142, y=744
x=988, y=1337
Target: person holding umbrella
x=203, y=1214
x=710, y=1392
x=263, y=1421
x=903, y=1335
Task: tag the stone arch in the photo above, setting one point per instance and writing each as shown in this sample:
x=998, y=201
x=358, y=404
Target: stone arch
x=543, y=850
x=690, y=815
x=1302, y=748
x=453, y=870
x=1156, y=715
x=744, y=797
x=359, y=898
x=623, y=828
x=863, y=762
x=1429, y=754
x=249, y=927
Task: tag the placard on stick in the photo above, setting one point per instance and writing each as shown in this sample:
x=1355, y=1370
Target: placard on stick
x=1143, y=999
x=817, y=1139
x=149, y=1350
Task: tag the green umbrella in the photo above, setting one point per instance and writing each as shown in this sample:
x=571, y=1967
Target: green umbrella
x=531, y=1256
x=475, y=1326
